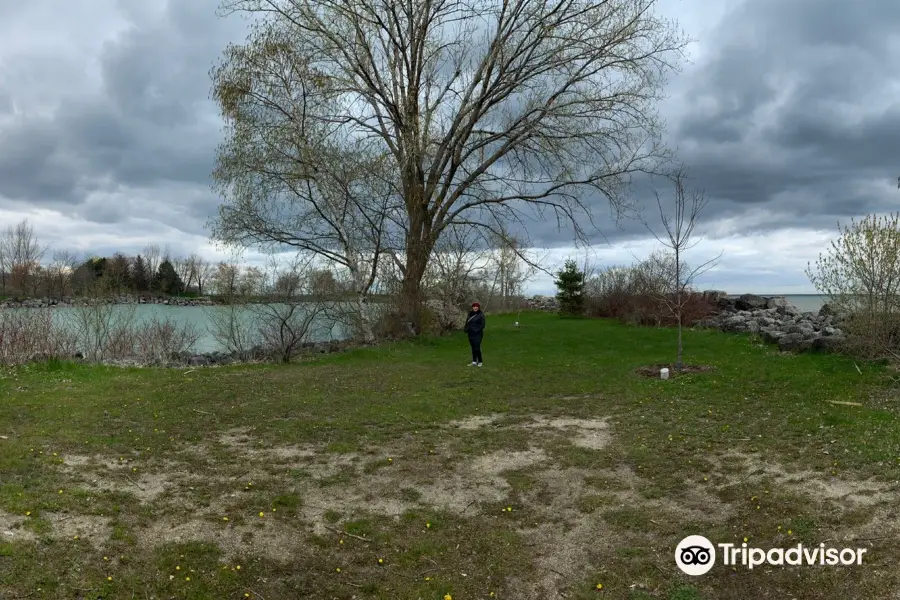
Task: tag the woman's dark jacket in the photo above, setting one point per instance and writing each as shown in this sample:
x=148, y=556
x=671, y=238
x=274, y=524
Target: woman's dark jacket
x=475, y=323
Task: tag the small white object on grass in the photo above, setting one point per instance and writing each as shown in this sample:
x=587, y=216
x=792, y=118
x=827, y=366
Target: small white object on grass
x=517, y=323
x=664, y=373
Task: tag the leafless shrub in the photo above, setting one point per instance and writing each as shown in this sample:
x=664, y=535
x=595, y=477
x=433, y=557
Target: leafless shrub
x=30, y=334
x=102, y=327
x=157, y=341
x=233, y=326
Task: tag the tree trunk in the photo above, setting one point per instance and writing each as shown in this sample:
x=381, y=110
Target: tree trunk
x=412, y=296
x=419, y=244
x=365, y=317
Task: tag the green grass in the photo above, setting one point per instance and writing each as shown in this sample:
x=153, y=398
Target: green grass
x=354, y=454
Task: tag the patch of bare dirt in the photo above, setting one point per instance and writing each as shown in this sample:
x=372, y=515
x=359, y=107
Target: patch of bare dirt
x=11, y=529
x=273, y=540
x=475, y=422
x=850, y=493
x=586, y=433
x=652, y=371
x=90, y=528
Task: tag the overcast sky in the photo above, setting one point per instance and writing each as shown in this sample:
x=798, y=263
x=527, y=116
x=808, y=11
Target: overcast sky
x=788, y=116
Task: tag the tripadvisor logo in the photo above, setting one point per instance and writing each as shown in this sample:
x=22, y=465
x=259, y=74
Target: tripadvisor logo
x=695, y=555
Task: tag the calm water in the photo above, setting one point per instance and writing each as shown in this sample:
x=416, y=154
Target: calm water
x=197, y=316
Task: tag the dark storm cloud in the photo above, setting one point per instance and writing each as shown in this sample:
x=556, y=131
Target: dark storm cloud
x=150, y=123
x=794, y=112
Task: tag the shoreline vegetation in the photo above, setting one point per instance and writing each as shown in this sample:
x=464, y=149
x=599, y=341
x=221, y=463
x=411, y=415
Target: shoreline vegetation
x=99, y=335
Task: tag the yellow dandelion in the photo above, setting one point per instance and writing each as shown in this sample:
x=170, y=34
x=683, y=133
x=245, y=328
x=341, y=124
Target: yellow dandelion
x=746, y=540
x=790, y=532
x=75, y=537
x=105, y=558
x=224, y=518
x=338, y=570
x=509, y=508
x=757, y=508
x=262, y=514
x=428, y=525
x=109, y=578
x=380, y=561
x=177, y=568
x=428, y=579
x=448, y=597
x=599, y=586
x=238, y=567
x=55, y=454
x=187, y=578
x=28, y=514
x=340, y=541
x=60, y=491
x=274, y=510
x=706, y=479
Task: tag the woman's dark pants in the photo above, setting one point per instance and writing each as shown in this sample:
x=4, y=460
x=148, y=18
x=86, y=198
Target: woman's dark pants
x=475, y=342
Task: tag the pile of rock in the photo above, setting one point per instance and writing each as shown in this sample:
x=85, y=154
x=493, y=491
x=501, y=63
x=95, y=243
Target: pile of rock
x=542, y=303
x=69, y=301
x=777, y=321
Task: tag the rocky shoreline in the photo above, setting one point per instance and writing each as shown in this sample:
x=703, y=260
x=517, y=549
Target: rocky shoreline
x=70, y=301
x=776, y=321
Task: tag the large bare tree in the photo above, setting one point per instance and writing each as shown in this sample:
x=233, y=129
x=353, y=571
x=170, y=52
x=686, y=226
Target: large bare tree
x=484, y=109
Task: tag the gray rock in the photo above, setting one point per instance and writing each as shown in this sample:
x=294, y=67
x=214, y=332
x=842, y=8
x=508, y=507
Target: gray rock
x=776, y=301
x=794, y=342
x=750, y=302
x=771, y=336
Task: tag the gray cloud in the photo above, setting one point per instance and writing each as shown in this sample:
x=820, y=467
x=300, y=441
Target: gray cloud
x=788, y=118
x=787, y=114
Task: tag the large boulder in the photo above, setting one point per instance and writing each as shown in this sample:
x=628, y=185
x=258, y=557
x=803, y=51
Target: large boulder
x=750, y=302
x=795, y=342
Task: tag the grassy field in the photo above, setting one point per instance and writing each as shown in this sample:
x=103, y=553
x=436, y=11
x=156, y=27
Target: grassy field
x=556, y=471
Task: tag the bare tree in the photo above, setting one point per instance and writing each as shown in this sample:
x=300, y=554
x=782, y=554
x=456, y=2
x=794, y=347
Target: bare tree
x=459, y=260
x=485, y=110
x=341, y=210
x=184, y=268
x=62, y=267
x=152, y=256
x=201, y=271
x=22, y=253
x=679, y=220
x=226, y=279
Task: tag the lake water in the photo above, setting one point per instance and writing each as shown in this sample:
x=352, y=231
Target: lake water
x=200, y=317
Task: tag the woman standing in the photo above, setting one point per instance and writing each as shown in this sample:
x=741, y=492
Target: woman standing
x=475, y=329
